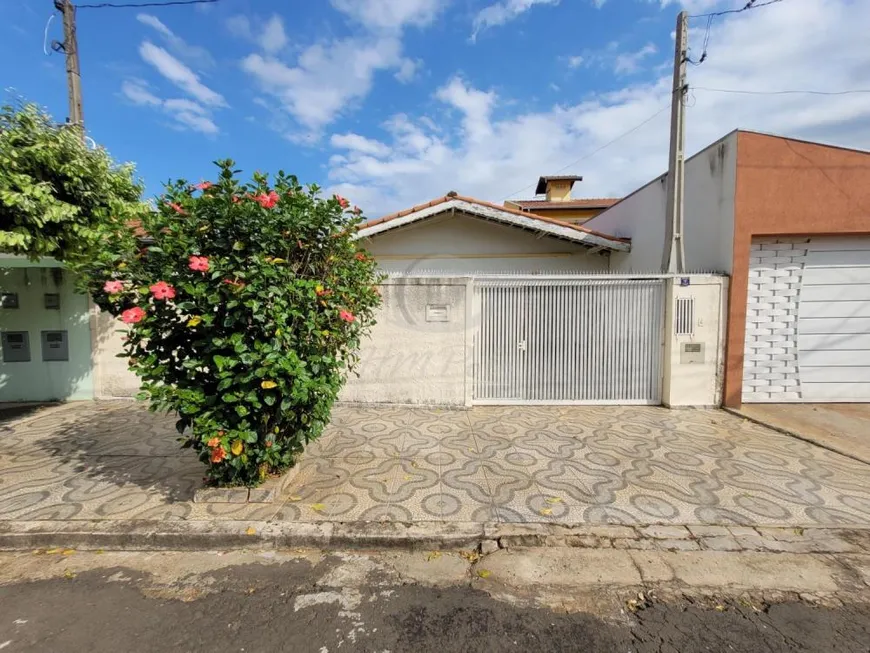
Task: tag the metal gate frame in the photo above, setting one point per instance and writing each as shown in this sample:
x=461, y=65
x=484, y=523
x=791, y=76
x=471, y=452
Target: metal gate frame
x=626, y=358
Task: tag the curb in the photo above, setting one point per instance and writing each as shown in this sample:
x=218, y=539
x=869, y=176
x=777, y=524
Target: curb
x=794, y=434
x=184, y=535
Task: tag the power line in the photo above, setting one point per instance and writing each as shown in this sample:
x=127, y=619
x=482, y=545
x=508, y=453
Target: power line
x=752, y=4
x=170, y=3
x=786, y=92
x=597, y=150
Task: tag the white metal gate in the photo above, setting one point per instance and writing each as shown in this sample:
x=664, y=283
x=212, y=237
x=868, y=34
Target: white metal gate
x=570, y=341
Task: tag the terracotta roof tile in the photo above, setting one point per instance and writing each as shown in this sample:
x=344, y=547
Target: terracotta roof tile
x=580, y=203
x=506, y=209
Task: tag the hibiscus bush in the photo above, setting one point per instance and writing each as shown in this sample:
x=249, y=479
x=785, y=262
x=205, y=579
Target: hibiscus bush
x=246, y=304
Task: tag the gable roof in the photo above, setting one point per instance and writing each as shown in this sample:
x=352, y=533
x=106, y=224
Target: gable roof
x=501, y=214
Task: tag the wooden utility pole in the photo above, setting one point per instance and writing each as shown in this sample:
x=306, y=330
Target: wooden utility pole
x=73, y=72
x=674, y=259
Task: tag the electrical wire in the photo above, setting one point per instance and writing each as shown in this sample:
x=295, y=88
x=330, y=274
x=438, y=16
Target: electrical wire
x=749, y=5
x=786, y=92
x=752, y=4
x=597, y=150
x=170, y=3
x=45, y=36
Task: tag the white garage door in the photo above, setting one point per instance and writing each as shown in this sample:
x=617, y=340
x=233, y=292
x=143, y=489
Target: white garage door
x=808, y=321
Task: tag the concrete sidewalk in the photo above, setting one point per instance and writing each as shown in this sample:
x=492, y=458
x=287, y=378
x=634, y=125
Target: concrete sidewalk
x=844, y=428
x=117, y=464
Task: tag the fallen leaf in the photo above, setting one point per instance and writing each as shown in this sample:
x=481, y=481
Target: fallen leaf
x=53, y=551
x=38, y=552
x=484, y=573
x=471, y=556
x=798, y=531
x=407, y=477
x=295, y=498
x=414, y=464
x=251, y=531
x=318, y=506
x=68, y=574
x=546, y=511
x=99, y=552
x=720, y=608
x=433, y=555
x=554, y=500
x=68, y=552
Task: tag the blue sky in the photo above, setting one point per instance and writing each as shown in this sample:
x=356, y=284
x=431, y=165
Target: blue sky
x=394, y=102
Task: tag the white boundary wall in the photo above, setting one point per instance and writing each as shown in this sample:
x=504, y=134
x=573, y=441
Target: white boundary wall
x=421, y=351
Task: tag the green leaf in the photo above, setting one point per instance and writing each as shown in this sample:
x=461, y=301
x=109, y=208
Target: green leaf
x=269, y=399
x=242, y=411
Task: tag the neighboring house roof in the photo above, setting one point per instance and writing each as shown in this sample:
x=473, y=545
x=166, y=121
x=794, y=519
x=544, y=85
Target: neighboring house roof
x=584, y=203
x=543, y=181
x=487, y=211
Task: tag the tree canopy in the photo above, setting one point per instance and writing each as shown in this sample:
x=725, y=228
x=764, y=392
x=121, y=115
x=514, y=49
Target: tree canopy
x=57, y=195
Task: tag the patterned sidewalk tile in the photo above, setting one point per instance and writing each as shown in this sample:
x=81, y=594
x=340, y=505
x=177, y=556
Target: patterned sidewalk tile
x=597, y=465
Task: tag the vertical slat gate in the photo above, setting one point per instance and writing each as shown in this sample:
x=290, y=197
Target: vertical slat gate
x=568, y=341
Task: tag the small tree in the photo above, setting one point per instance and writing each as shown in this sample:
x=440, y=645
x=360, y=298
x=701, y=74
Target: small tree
x=56, y=194
x=246, y=308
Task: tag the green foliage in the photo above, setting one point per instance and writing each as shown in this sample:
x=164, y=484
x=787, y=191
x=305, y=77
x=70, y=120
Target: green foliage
x=57, y=196
x=246, y=311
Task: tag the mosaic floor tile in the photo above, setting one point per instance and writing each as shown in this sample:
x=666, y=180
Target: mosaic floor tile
x=571, y=464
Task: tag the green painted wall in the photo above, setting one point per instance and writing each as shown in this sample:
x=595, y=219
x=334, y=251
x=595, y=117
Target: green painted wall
x=40, y=380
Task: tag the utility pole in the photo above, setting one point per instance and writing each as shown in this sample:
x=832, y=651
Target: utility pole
x=674, y=258
x=73, y=72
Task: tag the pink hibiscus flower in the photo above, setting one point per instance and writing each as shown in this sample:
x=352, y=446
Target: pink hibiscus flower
x=176, y=207
x=342, y=202
x=198, y=263
x=113, y=287
x=347, y=316
x=267, y=201
x=162, y=290
x=132, y=315
x=203, y=185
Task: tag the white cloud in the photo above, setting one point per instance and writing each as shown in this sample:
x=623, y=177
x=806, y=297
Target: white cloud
x=273, y=37
x=191, y=53
x=408, y=70
x=326, y=79
x=503, y=12
x=475, y=106
x=575, y=61
x=179, y=74
x=390, y=14
x=800, y=44
x=240, y=26
x=137, y=92
x=359, y=144
x=187, y=114
x=331, y=76
x=627, y=63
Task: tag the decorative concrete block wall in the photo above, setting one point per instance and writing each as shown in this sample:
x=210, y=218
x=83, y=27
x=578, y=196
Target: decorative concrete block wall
x=770, y=368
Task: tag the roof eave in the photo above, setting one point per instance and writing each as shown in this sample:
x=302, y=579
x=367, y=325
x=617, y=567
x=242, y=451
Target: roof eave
x=495, y=214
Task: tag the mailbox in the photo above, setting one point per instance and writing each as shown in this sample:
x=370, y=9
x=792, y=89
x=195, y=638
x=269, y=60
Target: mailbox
x=55, y=346
x=16, y=347
x=8, y=300
x=52, y=301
